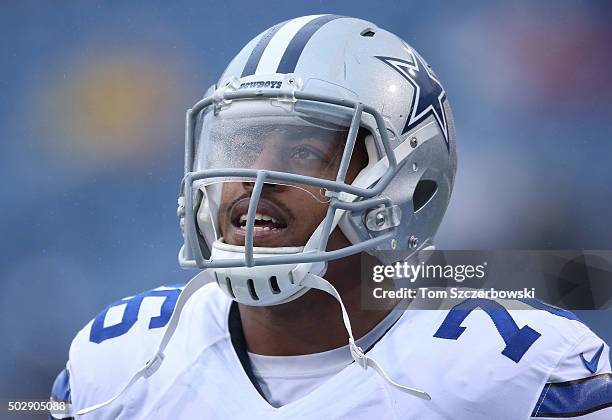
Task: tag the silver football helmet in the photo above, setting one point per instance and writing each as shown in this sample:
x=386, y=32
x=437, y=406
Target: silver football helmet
x=288, y=112
x=330, y=78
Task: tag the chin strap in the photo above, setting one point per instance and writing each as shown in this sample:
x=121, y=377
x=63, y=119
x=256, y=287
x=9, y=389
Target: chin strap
x=202, y=279
x=195, y=284
x=316, y=282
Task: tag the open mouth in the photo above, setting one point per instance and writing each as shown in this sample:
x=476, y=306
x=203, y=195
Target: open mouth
x=263, y=222
x=270, y=223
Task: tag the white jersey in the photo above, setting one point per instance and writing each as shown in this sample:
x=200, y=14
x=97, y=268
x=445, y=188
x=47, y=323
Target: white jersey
x=475, y=364
x=284, y=379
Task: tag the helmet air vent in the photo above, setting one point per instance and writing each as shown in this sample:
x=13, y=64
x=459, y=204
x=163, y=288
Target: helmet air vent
x=368, y=32
x=274, y=285
x=228, y=281
x=252, y=291
x=424, y=191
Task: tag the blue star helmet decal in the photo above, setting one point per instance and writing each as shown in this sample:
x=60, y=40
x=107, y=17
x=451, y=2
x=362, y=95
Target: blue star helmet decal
x=428, y=94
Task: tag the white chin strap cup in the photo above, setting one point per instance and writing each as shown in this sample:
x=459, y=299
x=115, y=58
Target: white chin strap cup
x=264, y=285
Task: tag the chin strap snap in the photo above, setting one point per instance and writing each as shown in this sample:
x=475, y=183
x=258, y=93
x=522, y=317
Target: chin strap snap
x=316, y=282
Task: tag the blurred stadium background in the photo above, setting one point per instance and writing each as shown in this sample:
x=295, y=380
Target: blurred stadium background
x=91, y=122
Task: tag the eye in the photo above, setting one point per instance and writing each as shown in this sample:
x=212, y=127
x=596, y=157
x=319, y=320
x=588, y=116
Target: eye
x=303, y=152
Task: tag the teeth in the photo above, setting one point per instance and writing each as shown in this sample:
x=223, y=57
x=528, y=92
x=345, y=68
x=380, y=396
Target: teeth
x=259, y=216
x=259, y=228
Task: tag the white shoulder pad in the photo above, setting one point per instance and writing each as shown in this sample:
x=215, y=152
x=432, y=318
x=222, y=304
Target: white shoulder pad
x=484, y=355
x=590, y=356
x=120, y=339
x=524, y=328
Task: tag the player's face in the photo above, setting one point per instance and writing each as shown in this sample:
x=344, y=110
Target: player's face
x=287, y=215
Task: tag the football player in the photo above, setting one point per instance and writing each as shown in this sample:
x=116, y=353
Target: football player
x=326, y=136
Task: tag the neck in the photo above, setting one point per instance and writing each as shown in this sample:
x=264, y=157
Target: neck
x=313, y=322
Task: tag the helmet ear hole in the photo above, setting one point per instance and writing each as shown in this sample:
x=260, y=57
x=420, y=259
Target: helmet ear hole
x=424, y=191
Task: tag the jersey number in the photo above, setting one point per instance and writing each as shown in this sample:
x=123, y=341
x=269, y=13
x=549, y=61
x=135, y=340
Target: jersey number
x=518, y=340
x=99, y=332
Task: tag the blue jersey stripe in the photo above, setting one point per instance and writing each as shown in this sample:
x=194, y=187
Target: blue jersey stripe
x=61, y=387
x=575, y=398
x=253, y=60
x=294, y=50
